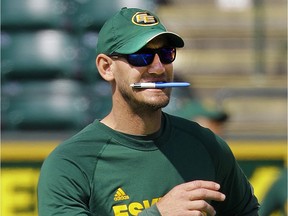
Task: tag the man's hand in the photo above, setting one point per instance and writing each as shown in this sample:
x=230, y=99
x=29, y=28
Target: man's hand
x=189, y=199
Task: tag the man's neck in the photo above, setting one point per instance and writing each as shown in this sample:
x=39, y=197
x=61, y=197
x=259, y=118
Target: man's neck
x=132, y=123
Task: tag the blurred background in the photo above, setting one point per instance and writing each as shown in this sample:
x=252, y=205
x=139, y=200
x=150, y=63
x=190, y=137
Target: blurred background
x=235, y=58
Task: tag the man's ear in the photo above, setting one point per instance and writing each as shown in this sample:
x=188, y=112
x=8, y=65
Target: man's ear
x=104, y=66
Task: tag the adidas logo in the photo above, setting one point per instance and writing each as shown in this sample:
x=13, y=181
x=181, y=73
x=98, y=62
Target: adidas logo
x=120, y=195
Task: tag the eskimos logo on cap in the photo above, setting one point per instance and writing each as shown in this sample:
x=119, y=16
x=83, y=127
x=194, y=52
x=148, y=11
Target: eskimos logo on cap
x=144, y=19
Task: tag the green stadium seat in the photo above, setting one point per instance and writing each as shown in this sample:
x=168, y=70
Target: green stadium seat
x=91, y=14
x=44, y=105
x=87, y=55
x=33, y=14
x=99, y=94
x=37, y=55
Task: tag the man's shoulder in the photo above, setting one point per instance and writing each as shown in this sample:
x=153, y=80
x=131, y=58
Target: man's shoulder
x=188, y=126
x=211, y=141
x=87, y=141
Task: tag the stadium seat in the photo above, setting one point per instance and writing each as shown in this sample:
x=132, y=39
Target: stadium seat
x=99, y=94
x=91, y=14
x=44, y=105
x=40, y=54
x=87, y=55
x=31, y=14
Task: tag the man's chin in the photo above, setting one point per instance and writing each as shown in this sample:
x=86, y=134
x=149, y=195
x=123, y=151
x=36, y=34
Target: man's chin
x=157, y=105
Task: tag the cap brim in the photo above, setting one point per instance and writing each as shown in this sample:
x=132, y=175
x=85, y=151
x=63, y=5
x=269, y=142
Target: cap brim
x=141, y=40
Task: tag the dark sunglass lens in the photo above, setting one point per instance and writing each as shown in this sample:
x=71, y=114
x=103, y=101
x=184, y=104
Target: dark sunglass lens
x=145, y=57
x=140, y=59
x=167, y=55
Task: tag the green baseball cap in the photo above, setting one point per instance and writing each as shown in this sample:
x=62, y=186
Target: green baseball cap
x=131, y=29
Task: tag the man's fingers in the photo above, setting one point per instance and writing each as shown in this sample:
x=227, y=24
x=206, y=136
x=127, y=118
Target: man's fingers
x=198, y=213
x=202, y=207
x=206, y=194
x=201, y=184
x=191, y=197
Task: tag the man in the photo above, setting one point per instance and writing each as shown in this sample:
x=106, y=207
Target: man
x=275, y=200
x=139, y=160
x=205, y=114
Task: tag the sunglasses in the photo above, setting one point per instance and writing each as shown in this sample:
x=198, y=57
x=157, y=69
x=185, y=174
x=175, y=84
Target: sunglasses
x=146, y=56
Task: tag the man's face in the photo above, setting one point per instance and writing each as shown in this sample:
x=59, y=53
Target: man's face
x=143, y=99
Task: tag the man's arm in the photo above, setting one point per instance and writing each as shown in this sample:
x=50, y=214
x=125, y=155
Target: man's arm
x=240, y=198
x=62, y=188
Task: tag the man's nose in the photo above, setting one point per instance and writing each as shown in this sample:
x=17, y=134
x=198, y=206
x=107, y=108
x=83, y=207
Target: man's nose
x=156, y=66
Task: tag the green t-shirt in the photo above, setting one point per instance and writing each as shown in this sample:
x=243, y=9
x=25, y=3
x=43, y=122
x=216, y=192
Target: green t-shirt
x=103, y=172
